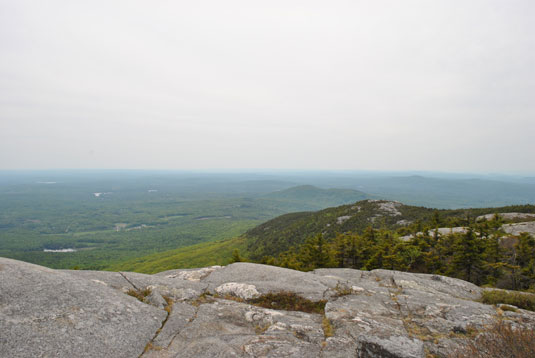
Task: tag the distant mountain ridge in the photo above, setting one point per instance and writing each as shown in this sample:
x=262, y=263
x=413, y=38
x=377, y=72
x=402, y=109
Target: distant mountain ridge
x=310, y=193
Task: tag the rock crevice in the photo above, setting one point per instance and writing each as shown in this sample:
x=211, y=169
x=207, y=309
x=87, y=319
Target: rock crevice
x=377, y=314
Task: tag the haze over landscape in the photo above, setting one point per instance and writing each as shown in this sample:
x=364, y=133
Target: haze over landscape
x=295, y=178
x=383, y=85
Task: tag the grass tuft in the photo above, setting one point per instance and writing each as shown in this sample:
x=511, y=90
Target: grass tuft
x=508, y=308
x=342, y=290
x=519, y=299
x=288, y=301
x=205, y=297
x=139, y=294
x=328, y=329
x=501, y=340
x=169, y=306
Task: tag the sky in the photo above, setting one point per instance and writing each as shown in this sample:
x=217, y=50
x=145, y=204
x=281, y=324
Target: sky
x=443, y=85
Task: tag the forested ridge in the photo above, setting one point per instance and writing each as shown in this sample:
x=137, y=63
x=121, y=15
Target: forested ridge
x=279, y=234
x=483, y=254
x=374, y=234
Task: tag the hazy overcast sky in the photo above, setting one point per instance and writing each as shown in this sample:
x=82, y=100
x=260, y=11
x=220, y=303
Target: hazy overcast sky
x=389, y=85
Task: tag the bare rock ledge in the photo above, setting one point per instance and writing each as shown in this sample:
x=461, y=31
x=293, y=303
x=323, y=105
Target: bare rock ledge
x=204, y=313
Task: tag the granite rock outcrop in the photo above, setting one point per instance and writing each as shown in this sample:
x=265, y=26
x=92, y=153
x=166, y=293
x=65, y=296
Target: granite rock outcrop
x=209, y=312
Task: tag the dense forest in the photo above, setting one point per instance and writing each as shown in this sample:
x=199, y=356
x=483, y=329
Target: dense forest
x=104, y=218
x=279, y=234
x=150, y=221
x=483, y=254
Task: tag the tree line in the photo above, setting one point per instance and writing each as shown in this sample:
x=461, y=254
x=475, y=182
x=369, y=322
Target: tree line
x=484, y=254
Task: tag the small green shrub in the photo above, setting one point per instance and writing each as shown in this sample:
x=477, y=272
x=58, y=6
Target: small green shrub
x=288, y=301
x=518, y=299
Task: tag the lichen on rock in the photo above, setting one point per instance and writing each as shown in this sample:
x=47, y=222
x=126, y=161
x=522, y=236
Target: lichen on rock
x=211, y=313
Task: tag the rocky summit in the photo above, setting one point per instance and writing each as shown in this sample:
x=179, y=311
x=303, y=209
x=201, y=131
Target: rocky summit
x=240, y=310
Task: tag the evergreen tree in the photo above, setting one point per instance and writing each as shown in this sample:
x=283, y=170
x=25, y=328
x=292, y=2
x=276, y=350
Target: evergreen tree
x=525, y=251
x=316, y=253
x=435, y=221
x=341, y=248
x=493, y=258
x=466, y=262
x=236, y=256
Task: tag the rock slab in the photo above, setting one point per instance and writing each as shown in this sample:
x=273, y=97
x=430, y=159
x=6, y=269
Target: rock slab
x=50, y=313
x=205, y=313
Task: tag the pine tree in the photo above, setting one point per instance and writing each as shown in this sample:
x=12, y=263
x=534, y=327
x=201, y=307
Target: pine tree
x=493, y=258
x=236, y=256
x=316, y=253
x=525, y=250
x=341, y=248
x=466, y=261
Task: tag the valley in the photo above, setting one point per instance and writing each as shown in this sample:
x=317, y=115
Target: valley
x=151, y=221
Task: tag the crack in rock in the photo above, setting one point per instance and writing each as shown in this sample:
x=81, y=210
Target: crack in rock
x=148, y=346
x=130, y=282
x=190, y=321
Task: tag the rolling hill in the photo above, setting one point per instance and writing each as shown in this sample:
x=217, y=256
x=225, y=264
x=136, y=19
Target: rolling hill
x=279, y=234
x=312, y=195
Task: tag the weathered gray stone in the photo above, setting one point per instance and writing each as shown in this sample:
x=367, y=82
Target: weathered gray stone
x=513, y=229
x=194, y=275
x=429, y=283
x=49, y=313
x=388, y=312
x=506, y=216
x=180, y=316
x=272, y=279
x=393, y=347
x=223, y=328
x=155, y=299
x=518, y=228
x=339, y=347
x=375, y=314
x=106, y=278
x=240, y=290
x=175, y=288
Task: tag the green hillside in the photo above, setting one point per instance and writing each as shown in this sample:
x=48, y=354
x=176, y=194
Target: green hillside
x=102, y=219
x=279, y=234
x=201, y=255
x=291, y=230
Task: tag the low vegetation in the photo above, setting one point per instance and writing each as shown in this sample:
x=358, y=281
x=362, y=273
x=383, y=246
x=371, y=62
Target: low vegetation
x=483, y=254
x=328, y=329
x=113, y=217
x=284, y=232
x=501, y=340
x=518, y=299
x=200, y=255
x=285, y=238
x=288, y=301
x=139, y=294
